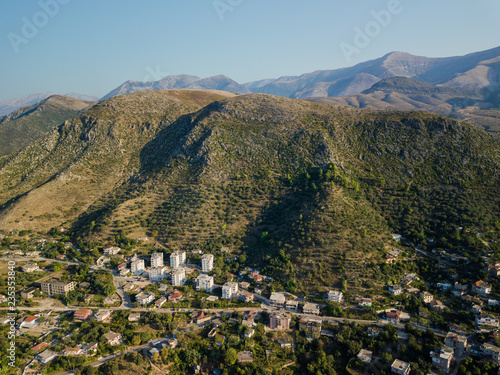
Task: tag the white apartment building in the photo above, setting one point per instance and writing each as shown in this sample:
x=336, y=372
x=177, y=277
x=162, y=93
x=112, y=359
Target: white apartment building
x=157, y=273
x=335, y=296
x=178, y=276
x=205, y=282
x=177, y=259
x=137, y=266
x=229, y=290
x=144, y=298
x=157, y=260
x=207, y=262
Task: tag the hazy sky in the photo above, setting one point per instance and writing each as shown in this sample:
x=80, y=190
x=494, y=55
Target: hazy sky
x=91, y=46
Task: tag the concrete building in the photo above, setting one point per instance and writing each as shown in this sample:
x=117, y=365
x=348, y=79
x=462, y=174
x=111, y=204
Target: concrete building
x=442, y=358
x=365, y=355
x=179, y=276
x=27, y=293
x=52, y=287
x=279, y=321
x=311, y=328
x=229, y=289
x=292, y=306
x=145, y=298
x=110, y=250
x=137, y=267
x=156, y=260
x=207, y=262
x=204, y=282
x=400, y=367
x=278, y=300
x=102, y=315
x=30, y=267
x=311, y=308
x=157, y=273
x=177, y=259
x=481, y=287
x=458, y=342
x=335, y=296
x=82, y=314
x=113, y=338
x=426, y=297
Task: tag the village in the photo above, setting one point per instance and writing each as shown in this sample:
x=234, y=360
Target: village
x=187, y=287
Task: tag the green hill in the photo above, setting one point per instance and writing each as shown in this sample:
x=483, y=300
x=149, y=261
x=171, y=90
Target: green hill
x=310, y=192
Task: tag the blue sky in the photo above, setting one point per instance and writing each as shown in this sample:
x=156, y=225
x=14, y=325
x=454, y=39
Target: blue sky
x=93, y=46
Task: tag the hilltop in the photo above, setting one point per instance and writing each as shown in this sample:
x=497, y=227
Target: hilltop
x=24, y=125
x=299, y=187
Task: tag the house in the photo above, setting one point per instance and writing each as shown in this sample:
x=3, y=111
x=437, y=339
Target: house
x=102, y=315
x=113, y=338
x=396, y=289
x=494, y=269
x=400, y=367
x=481, y=287
x=396, y=237
x=73, y=352
x=30, y=267
x=284, y=342
x=245, y=285
x=311, y=308
x=442, y=358
x=26, y=294
x=279, y=321
x=110, y=250
x=365, y=302
x=460, y=287
x=393, y=316
x=134, y=317
x=198, y=317
x=160, y=302
x=82, y=314
x=90, y=348
x=292, y=306
x=3, y=299
x=457, y=329
x=245, y=356
x=458, y=342
x=254, y=276
x=205, y=282
x=277, y=300
x=121, y=266
x=30, y=322
x=46, y=356
x=334, y=296
x=229, y=289
x=246, y=297
x=124, y=272
x=175, y=296
x=207, y=262
x=311, y=328
x=426, y=297
x=88, y=299
x=145, y=298
x=436, y=305
x=492, y=351
x=374, y=331
x=486, y=320
x=365, y=355
x=40, y=347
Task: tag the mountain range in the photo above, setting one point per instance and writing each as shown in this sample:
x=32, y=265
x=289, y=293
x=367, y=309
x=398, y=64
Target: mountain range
x=309, y=191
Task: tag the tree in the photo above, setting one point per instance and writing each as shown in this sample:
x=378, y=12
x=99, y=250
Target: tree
x=231, y=357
